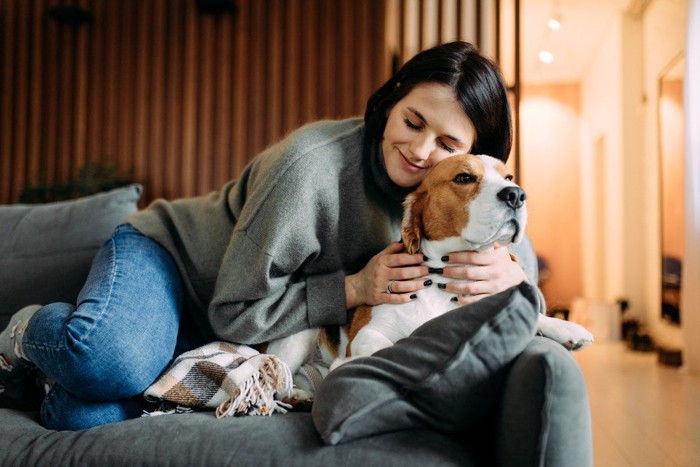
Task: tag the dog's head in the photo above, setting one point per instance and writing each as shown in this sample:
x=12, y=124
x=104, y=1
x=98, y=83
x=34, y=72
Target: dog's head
x=469, y=197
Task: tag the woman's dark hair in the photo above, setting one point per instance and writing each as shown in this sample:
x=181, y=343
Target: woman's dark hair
x=478, y=86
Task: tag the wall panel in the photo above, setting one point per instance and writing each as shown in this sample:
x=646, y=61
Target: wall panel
x=420, y=24
x=179, y=98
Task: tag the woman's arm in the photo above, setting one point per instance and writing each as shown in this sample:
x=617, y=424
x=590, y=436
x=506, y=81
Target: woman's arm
x=271, y=300
x=283, y=270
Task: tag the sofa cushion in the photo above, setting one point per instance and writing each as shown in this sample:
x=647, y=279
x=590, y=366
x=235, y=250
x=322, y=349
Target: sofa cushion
x=446, y=375
x=46, y=249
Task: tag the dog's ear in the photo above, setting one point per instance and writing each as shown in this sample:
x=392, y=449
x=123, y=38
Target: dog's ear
x=412, y=225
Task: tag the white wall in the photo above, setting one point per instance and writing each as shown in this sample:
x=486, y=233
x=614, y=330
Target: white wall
x=601, y=171
x=634, y=191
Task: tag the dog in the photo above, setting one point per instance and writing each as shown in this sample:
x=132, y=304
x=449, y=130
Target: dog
x=466, y=202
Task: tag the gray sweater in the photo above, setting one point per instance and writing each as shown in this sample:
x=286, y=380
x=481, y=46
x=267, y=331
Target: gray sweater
x=267, y=255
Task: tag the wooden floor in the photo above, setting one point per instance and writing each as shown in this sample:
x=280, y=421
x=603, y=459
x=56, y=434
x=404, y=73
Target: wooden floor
x=644, y=414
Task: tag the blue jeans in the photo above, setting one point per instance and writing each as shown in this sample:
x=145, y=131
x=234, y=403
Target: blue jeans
x=104, y=352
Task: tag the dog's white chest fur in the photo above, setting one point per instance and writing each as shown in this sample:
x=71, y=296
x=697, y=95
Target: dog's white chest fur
x=398, y=321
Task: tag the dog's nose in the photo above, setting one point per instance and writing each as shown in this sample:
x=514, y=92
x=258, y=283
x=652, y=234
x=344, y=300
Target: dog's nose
x=513, y=196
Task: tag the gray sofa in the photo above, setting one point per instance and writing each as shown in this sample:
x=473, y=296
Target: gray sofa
x=473, y=387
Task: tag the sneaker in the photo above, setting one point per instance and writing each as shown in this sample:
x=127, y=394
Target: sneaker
x=18, y=388
x=13, y=362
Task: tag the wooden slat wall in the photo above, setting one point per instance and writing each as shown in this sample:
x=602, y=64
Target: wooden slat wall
x=414, y=25
x=182, y=98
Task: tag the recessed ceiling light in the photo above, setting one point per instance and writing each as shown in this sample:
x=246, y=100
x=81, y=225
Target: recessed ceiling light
x=554, y=23
x=546, y=56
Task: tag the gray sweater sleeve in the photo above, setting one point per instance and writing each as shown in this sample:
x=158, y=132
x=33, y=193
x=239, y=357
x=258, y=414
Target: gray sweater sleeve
x=257, y=299
x=279, y=274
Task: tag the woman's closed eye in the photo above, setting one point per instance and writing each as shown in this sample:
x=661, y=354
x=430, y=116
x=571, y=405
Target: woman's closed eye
x=419, y=127
x=446, y=147
x=412, y=125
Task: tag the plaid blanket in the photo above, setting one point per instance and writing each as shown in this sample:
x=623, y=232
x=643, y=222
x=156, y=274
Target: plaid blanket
x=233, y=379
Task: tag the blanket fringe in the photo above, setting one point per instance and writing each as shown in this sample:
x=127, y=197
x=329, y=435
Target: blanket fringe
x=256, y=396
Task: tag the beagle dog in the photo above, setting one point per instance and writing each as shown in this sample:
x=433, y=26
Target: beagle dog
x=466, y=202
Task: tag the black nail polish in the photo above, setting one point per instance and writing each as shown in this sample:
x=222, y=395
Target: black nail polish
x=454, y=299
x=428, y=283
x=442, y=286
x=445, y=259
x=414, y=296
x=425, y=258
x=435, y=270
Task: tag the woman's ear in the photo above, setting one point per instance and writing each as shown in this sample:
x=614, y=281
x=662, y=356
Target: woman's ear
x=412, y=224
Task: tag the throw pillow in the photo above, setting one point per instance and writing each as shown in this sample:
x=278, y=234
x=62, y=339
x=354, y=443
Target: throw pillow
x=46, y=249
x=445, y=376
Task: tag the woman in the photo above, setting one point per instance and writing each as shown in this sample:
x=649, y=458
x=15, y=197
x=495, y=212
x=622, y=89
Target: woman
x=297, y=241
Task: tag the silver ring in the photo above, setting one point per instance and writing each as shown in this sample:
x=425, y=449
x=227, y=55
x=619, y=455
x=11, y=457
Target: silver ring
x=388, y=287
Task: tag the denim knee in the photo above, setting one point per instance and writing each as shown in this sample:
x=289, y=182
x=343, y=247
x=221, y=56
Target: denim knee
x=122, y=371
x=61, y=410
x=100, y=366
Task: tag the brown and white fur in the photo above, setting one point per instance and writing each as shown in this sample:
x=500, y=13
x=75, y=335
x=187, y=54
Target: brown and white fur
x=465, y=202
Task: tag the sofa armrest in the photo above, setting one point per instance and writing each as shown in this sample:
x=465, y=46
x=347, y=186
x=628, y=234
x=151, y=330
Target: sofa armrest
x=544, y=417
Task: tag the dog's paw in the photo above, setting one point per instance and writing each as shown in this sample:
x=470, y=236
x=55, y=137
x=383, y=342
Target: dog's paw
x=298, y=399
x=571, y=335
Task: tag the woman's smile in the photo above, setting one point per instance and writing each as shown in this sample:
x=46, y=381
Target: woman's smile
x=410, y=166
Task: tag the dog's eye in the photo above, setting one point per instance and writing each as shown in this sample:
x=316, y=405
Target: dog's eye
x=509, y=178
x=464, y=178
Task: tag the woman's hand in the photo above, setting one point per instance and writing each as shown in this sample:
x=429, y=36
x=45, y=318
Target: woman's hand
x=486, y=273
x=391, y=265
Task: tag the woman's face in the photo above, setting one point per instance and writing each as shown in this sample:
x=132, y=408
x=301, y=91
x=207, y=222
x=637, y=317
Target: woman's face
x=425, y=127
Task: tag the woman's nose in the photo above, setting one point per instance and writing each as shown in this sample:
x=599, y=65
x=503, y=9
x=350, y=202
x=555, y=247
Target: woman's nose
x=422, y=146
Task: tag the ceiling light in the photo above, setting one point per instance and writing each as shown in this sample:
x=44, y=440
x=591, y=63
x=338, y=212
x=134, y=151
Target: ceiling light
x=554, y=23
x=546, y=56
